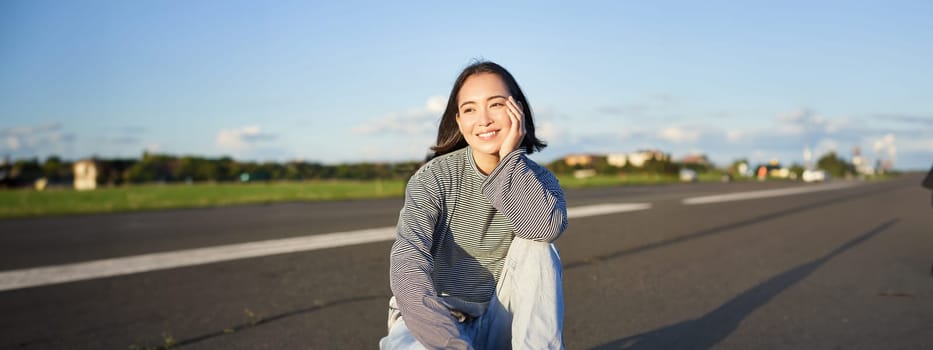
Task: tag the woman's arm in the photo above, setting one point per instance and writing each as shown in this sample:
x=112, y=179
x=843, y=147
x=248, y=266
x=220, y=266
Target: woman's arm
x=411, y=266
x=529, y=195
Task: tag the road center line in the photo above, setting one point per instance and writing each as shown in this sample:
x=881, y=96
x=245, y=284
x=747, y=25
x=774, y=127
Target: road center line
x=46, y=275
x=766, y=193
x=603, y=209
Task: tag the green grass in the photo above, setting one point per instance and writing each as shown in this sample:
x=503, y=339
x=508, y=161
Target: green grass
x=568, y=181
x=30, y=203
x=881, y=177
x=26, y=203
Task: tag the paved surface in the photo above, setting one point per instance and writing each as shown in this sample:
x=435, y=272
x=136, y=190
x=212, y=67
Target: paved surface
x=846, y=268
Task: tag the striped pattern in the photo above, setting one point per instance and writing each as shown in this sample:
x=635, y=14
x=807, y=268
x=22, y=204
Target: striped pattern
x=455, y=230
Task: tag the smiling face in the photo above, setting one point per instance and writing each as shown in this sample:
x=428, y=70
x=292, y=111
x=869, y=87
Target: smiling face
x=482, y=113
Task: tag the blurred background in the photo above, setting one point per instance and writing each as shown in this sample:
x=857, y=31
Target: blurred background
x=350, y=82
x=122, y=106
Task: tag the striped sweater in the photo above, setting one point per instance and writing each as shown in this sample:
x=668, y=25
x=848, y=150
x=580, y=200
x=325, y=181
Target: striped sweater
x=454, y=231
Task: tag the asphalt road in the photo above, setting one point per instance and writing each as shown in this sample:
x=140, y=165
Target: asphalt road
x=847, y=268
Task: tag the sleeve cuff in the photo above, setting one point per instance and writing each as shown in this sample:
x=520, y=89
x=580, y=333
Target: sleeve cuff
x=504, y=163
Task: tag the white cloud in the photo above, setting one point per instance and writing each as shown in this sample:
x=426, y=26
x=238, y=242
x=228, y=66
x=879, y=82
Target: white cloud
x=886, y=145
x=23, y=135
x=919, y=145
x=381, y=152
x=651, y=104
x=242, y=139
x=436, y=104
x=882, y=143
x=834, y=125
x=33, y=140
x=795, y=116
x=907, y=149
x=806, y=121
x=402, y=135
x=736, y=135
x=791, y=129
x=784, y=136
x=547, y=131
x=913, y=119
x=802, y=121
x=679, y=135
x=12, y=142
x=915, y=145
x=419, y=121
x=552, y=126
x=827, y=145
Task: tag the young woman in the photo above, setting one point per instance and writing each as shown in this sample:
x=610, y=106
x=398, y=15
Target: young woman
x=473, y=265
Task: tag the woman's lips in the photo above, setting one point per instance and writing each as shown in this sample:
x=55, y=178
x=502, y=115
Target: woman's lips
x=487, y=135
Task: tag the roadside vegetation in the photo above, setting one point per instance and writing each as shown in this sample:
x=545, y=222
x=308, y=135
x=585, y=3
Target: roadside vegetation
x=61, y=201
x=159, y=182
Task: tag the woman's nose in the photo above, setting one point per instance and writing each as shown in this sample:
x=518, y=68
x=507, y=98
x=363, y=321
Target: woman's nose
x=484, y=118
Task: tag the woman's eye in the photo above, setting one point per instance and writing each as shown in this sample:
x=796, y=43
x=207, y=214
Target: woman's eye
x=498, y=104
x=468, y=110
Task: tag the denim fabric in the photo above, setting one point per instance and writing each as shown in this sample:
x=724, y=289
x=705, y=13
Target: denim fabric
x=526, y=312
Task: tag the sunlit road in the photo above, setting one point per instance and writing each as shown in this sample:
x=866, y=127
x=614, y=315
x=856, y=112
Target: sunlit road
x=846, y=267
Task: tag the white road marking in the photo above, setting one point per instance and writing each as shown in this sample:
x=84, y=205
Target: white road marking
x=766, y=193
x=40, y=276
x=603, y=209
x=45, y=275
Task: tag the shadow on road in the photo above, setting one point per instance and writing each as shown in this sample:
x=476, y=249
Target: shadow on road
x=713, y=327
x=721, y=229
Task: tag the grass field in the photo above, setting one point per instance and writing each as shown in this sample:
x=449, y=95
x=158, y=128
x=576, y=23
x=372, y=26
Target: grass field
x=25, y=203
x=623, y=180
x=31, y=203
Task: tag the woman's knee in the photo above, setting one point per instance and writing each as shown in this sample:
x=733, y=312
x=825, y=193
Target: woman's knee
x=537, y=253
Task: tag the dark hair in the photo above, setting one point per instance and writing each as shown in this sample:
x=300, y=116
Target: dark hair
x=450, y=139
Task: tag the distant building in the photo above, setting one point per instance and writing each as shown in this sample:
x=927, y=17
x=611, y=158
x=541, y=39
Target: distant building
x=636, y=159
x=579, y=159
x=639, y=158
x=617, y=159
x=584, y=173
x=781, y=173
x=774, y=169
x=85, y=172
x=699, y=159
x=861, y=164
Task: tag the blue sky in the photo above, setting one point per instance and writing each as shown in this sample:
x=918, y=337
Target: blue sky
x=365, y=81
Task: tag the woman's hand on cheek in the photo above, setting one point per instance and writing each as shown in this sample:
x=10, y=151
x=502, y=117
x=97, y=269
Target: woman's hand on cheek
x=516, y=134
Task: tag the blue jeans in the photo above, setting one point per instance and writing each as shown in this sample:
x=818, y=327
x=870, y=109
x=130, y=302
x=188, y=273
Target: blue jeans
x=526, y=312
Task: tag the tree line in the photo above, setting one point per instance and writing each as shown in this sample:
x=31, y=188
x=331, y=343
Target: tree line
x=169, y=168
x=654, y=165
